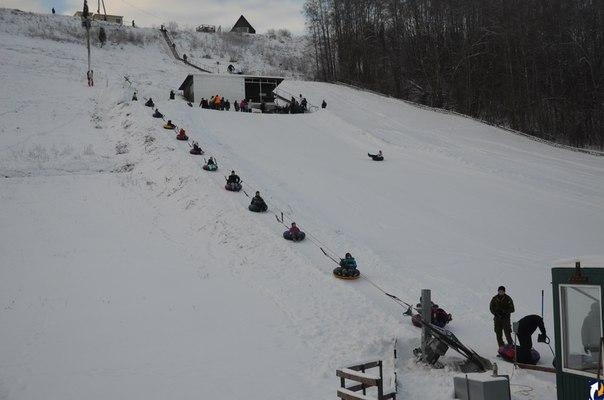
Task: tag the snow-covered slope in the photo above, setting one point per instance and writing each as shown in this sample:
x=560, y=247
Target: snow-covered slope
x=129, y=272
x=276, y=55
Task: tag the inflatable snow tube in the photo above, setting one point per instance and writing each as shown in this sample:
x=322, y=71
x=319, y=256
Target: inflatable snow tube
x=196, y=152
x=158, y=115
x=210, y=167
x=233, y=187
x=298, y=237
x=416, y=320
x=508, y=353
x=182, y=137
x=257, y=208
x=346, y=273
x=168, y=126
x=378, y=158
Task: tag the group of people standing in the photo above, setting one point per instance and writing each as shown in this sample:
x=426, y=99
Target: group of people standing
x=218, y=102
x=502, y=308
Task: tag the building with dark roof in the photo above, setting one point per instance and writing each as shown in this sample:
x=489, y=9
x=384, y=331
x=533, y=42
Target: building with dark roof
x=243, y=26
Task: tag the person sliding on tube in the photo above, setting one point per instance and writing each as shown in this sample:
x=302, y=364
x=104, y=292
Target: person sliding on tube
x=196, y=150
x=210, y=165
x=377, y=157
x=233, y=183
x=348, y=262
x=258, y=204
x=233, y=178
x=294, y=233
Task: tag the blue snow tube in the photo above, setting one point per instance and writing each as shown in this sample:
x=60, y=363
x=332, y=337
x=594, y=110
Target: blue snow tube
x=297, y=237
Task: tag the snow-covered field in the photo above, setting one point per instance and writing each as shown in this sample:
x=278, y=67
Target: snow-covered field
x=128, y=272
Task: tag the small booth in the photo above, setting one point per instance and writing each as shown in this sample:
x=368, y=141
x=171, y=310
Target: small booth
x=577, y=299
x=254, y=88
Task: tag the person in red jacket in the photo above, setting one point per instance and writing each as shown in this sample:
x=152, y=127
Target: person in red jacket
x=294, y=230
x=294, y=233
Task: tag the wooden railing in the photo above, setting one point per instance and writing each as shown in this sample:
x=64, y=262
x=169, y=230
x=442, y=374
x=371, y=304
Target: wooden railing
x=364, y=381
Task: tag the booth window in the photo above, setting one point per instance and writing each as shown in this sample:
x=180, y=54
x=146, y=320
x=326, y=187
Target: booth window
x=581, y=319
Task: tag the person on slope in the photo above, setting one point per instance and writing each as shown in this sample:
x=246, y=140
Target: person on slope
x=258, y=203
x=502, y=307
x=236, y=105
x=182, y=135
x=196, y=150
x=377, y=157
x=294, y=233
x=526, y=327
x=294, y=230
x=324, y=104
x=210, y=165
x=157, y=114
x=150, y=103
x=227, y=105
x=233, y=178
x=171, y=94
x=134, y=97
x=90, y=77
x=348, y=262
x=169, y=125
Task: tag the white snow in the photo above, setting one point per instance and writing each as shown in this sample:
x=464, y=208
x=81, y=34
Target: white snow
x=127, y=271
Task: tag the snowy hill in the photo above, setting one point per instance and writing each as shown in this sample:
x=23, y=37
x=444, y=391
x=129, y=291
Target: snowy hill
x=272, y=55
x=127, y=271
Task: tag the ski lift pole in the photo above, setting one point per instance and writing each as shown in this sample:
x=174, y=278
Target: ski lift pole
x=426, y=302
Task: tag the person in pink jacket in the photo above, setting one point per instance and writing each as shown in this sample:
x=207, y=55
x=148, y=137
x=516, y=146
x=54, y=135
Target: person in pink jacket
x=294, y=233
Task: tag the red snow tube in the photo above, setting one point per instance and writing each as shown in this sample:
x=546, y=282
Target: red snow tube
x=416, y=320
x=508, y=353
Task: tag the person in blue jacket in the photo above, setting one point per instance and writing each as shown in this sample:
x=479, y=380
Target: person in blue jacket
x=348, y=262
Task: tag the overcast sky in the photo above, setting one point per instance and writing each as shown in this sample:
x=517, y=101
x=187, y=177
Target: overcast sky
x=262, y=14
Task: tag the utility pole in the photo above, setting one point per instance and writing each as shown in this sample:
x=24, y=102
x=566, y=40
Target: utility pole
x=86, y=24
x=98, y=9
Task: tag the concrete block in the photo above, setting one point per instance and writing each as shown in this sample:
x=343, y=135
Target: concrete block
x=481, y=387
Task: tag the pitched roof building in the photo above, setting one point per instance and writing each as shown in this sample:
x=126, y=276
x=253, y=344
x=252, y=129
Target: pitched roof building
x=242, y=25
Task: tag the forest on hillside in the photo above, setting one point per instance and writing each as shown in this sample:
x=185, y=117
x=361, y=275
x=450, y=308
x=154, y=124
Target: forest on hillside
x=532, y=65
